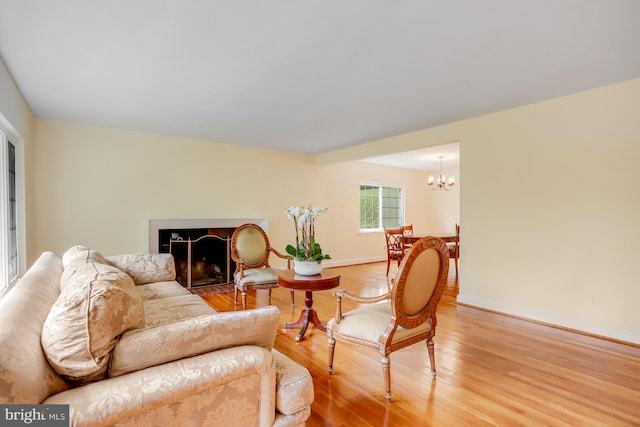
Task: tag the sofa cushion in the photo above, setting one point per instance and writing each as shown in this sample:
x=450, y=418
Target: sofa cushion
x=294, y=386
x=146, y=268
x=166, y=310
x=159, y=290
x=164, y=343
x=98, y=304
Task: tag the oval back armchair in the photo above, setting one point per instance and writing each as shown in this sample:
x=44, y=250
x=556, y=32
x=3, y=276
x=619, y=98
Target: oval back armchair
x=250, y=250
x=403, y=316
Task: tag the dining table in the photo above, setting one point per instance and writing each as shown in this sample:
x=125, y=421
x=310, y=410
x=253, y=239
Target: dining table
x=410, y=239
x=454, y=250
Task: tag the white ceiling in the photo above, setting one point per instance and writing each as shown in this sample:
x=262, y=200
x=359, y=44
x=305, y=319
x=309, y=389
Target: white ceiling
x=308, y=76
x=426, y=159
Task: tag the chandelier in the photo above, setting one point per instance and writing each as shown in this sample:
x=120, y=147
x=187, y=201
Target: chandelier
x=442, y=182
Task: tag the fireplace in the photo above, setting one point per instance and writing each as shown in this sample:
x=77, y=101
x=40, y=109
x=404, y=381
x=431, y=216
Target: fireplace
x=201, y=247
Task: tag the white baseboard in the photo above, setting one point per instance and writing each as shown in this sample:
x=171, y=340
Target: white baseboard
x=353, y=261
x=629, y=337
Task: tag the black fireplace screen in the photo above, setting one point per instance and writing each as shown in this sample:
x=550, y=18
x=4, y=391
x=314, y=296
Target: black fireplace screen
x=202, y=256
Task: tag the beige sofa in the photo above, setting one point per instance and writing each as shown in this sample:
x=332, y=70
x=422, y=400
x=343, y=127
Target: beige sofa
x=124, y=344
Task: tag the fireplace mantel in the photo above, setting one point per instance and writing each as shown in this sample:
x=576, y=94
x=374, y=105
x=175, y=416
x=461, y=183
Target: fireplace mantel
x=155, y=225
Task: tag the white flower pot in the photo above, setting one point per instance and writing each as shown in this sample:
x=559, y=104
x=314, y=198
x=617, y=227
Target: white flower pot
x=307, y=268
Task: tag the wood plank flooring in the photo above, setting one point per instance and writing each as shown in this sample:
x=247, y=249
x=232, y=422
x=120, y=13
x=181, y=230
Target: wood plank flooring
x=493, y=370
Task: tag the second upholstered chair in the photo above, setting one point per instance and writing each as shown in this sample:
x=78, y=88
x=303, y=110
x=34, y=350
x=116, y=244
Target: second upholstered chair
x=402, y=317
x=250, y=250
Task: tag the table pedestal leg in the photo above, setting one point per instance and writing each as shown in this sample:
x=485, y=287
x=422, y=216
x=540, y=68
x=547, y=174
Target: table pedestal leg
x=309, y=314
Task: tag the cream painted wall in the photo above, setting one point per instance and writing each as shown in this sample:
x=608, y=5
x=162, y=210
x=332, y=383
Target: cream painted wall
x=100, y=186
x=13, y=107
x=443, y=207
x=343, y=183
x=555, y=236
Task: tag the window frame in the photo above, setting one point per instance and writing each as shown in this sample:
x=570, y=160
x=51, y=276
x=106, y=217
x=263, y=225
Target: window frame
x=380, y=186
x=9, y=134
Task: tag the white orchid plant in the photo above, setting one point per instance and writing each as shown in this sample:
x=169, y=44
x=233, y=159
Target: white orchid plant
x=306, y=248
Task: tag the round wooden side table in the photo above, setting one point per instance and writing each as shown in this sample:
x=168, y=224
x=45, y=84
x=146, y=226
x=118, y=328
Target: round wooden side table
x=288, y=279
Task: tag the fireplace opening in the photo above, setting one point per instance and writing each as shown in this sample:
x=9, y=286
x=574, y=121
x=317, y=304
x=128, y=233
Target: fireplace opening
x=202, y=255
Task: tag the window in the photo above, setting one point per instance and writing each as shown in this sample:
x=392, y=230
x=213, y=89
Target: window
x=9, y=267
x=380, y=207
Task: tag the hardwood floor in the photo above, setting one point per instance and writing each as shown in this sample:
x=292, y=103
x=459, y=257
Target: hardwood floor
x=493, y=370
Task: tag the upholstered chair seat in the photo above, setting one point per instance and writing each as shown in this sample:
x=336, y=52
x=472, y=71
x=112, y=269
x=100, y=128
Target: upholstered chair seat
x=368, y=322
x=258, y=277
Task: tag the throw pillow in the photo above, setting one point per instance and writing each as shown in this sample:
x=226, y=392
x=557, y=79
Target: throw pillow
x=71, y=253
x=74, y=258
x=98, y=304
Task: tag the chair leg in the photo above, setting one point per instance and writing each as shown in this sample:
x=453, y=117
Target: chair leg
x=386, y=372
x=293, y=300
x=244, y=299
x=432, y=356
x=332, y=346
x=456, y=261
x=235, y=295
x=388, y=263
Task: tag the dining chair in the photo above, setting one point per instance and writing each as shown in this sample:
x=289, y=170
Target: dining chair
x=403, y=316
x=454, y=248
x=395, y=248
x=250, y=250
x=407, y=231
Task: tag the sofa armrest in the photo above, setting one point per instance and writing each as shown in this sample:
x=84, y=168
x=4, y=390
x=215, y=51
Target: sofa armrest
x=145, y=268
x=194, y=391
x=139, y=349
